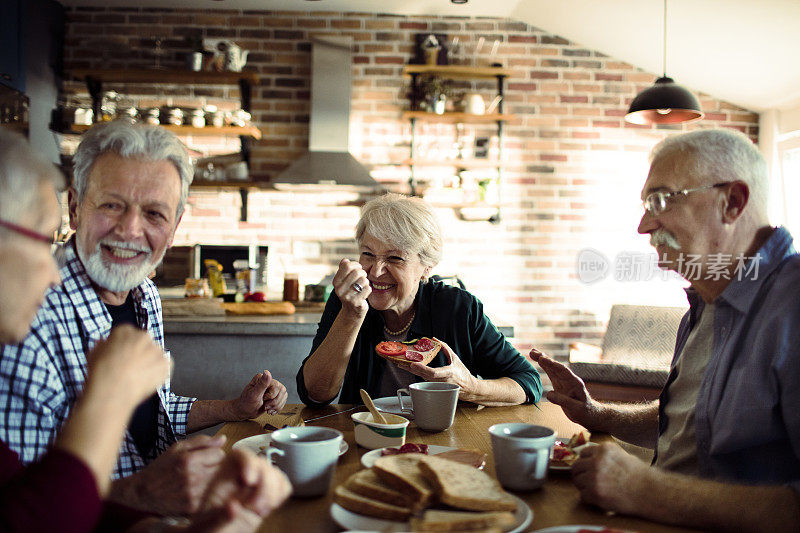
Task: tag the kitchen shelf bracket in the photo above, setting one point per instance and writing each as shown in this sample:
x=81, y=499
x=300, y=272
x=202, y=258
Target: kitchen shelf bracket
x=243, y=193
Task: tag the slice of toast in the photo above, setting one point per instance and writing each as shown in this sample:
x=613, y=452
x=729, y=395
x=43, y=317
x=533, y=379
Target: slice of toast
x=403, y=362
x=367, y=483
x=464, y=487
x=403, y=473
x=440, y=520
x=363, y=505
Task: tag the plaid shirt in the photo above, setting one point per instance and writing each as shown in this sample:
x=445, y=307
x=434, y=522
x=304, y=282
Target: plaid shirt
x=43, y=376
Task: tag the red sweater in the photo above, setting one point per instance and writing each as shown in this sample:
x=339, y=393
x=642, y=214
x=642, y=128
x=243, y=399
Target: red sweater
x=57, y=493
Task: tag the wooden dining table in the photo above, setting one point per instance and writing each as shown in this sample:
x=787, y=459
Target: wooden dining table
x=557, y=503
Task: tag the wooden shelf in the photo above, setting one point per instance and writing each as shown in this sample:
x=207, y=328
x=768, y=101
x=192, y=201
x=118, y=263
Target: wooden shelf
x=249, y=131
x=457, y=71
x=165, y=76
x=455, y=118
x=461, y=163
x=242, y=184
x=463, y=205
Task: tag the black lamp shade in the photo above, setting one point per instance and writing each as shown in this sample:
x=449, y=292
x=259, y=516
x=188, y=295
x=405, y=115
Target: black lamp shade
x=664, y=103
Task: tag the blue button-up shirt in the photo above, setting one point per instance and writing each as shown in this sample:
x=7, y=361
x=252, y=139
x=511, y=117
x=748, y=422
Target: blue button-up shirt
x=748, y=406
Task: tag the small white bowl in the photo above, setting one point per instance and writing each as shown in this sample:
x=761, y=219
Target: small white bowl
x=372, y=435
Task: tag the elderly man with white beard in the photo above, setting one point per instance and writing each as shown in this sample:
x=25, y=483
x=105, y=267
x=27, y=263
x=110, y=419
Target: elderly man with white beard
x=130, y=187
x=726, y=428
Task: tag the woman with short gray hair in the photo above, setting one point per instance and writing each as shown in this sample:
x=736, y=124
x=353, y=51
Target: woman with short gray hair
x=386, y=296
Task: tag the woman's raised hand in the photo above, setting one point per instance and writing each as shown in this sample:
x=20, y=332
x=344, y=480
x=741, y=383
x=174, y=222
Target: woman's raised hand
x=348, y=280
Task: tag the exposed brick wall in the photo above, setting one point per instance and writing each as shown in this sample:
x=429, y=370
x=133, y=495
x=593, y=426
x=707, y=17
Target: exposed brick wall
x=574, y=167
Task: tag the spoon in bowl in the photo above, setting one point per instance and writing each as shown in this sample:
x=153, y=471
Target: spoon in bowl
x=376, y=415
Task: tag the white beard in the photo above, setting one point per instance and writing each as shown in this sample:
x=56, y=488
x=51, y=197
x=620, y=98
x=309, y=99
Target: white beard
x=662, y=236
x=112, y=276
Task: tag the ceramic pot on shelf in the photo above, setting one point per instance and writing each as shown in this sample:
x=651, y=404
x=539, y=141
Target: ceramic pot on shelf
x=474, y=104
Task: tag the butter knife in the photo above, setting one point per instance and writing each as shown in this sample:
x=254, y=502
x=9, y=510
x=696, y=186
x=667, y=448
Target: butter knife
x=270, y=427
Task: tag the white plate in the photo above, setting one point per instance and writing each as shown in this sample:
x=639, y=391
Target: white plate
x=259, y=443
x=368, y=459
x=391, y=404
x=567, y=468
x=569, y=529
x=350, y=521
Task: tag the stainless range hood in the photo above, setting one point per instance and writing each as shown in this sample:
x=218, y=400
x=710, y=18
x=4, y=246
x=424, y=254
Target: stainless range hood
x=328, y=164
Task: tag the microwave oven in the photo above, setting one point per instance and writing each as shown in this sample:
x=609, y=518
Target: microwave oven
x=181, y=262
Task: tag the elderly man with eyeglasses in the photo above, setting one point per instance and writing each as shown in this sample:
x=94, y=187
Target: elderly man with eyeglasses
x=131, y=182
x=726, y=428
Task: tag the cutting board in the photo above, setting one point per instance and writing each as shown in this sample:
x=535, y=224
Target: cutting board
x=259, y=308
x=192, y=307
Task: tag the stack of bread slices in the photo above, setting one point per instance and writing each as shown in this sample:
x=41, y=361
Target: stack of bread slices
x=434, y=494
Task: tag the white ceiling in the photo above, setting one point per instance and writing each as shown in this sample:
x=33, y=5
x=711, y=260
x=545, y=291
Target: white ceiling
x=742, y=51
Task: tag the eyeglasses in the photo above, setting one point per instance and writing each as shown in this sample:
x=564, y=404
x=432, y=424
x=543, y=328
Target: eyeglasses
x=31, y=234
x=655, y=203
x=369, y=258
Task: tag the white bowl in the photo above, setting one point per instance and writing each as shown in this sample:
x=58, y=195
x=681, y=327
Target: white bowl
x=372, y=435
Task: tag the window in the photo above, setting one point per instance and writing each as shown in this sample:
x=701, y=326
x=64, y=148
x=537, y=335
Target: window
x=789, y=160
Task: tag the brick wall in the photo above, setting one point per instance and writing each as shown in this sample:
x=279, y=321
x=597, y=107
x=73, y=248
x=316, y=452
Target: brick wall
x=574, y=167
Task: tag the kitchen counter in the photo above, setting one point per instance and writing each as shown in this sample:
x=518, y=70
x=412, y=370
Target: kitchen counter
x=216, y=356
x=292, y=325
x=296, y=324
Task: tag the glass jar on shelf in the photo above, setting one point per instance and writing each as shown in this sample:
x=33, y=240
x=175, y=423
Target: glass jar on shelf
x=175, y=116
x=108, y=106
x=152, y=116
x=240, y=118
x=198, y=118
x=130, y=113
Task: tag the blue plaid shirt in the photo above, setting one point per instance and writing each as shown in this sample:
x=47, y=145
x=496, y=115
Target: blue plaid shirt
x=43, y=376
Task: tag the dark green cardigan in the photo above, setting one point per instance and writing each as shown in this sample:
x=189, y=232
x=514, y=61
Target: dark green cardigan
x=447, y=313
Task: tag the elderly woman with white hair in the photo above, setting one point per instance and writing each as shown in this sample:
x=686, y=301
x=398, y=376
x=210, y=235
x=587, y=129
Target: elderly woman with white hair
x=386, y=296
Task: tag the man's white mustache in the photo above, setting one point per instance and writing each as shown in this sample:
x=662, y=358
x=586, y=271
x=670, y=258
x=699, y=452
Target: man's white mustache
x=124, y=245
x=662, y=236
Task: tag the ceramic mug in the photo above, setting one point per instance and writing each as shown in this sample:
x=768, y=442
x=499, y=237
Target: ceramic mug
x=521, y=454
x=308, y=456
x=434, y=404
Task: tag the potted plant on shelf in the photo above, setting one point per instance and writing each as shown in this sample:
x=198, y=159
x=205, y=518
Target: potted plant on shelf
x=435, y=93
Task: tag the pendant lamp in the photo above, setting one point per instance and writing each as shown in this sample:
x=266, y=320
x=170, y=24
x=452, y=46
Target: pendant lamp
x=665, y=102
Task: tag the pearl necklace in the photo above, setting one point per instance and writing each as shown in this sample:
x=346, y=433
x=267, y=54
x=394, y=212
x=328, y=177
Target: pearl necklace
x=403, y=329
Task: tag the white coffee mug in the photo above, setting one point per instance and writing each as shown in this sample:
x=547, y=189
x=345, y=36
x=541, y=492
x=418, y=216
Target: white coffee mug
x=308, y=456
x=434, y=404
x=521, y=454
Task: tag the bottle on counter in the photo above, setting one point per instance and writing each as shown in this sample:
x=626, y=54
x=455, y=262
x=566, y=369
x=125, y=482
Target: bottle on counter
x=291, y=287
x=245, y=276
x=215, y=279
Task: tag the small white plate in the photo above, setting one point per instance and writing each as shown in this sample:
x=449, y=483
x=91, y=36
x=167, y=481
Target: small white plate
x=391, y=404
x=258, y=444
x=368, y=459
x=350, y=521
x=567, y=468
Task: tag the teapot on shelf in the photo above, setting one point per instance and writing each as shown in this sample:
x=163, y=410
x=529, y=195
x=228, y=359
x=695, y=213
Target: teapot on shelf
x=235, y=57
x=473, y=104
